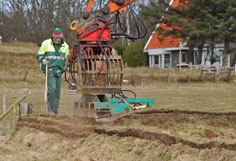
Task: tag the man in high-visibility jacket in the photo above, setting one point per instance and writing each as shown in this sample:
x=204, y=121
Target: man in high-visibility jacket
x=53, y=53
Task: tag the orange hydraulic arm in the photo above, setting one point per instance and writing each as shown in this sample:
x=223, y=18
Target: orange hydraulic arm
x=89, y=6
x=112, y=5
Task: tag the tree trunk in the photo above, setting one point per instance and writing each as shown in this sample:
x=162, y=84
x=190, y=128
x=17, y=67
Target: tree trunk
x=127, y=24
x=212, y=59
x=234, y=61
x=225, y=53
x=199, y=58
x=200, y=49
x=190, y=55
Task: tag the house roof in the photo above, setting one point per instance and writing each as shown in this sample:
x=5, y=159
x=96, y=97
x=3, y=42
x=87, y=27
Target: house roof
x=166, y=42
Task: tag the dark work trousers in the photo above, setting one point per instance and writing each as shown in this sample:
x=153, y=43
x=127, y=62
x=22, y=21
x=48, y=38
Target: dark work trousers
x=54, y=90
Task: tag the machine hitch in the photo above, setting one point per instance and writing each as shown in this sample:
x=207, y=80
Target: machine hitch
x=103, y=109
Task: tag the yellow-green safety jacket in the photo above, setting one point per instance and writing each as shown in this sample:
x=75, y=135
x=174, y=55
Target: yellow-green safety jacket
x=55, y=54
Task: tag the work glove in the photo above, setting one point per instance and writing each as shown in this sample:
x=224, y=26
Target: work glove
x=45, y=62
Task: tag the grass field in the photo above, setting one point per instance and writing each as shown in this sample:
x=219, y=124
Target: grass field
x=19, y=60
x=151, y=135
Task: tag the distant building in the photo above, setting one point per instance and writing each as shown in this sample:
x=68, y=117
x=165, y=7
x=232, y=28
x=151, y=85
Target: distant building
x=173, y=51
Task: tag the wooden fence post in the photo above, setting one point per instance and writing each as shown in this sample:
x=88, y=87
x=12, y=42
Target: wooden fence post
x=11, y=129
x=235, y=69
x=14, y=118
x=228, y=76
x=3, y=111
x=214, y=75
x=168, y=76
x=11, y=107
x=190, y=72
x=126, y=65
x=18, y=68
x=201, y=72
x=26, y=73
x=133, y=78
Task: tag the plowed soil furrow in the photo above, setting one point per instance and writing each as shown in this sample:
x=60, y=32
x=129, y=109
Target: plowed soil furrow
x=186, y=112
x=50, y=130
x=55, y=127
x=165, y=139
x=59, y=125
x=167, y=119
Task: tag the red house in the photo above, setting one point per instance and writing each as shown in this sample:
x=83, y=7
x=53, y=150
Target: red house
x=171, y=51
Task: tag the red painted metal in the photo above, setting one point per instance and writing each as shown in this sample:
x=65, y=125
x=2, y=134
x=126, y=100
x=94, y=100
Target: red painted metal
x=91, y=32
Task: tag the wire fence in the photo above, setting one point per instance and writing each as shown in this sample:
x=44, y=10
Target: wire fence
x=188, y=74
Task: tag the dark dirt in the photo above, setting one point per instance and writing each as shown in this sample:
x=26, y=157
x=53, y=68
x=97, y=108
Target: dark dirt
x=188, y=112
x=77, y=128
x=168, y=118
x=69, y=131
x=165, y=139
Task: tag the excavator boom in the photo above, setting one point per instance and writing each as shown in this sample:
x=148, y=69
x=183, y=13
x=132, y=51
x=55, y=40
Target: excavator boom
x=113, y=5
x=89, y=6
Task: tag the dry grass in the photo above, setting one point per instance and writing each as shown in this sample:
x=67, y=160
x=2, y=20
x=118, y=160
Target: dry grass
x=45, y=146
x=150, y=83
x=149, y=76
x=19, y=48
x=213, y=97
x=199, y=96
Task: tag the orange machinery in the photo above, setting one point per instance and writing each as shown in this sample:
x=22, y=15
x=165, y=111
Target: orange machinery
x=96, y=68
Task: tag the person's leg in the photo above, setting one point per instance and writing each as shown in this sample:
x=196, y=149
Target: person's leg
x=58, y=91
x=52, y=92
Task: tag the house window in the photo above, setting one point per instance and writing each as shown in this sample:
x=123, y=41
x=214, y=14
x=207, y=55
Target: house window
x=156, y=59
x=167, y=60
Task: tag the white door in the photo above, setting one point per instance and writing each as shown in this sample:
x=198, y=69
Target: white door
x=167, y=60
x=157, y=61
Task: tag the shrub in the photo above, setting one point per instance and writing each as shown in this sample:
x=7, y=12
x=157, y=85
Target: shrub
x=134, y=55
x=120, y=47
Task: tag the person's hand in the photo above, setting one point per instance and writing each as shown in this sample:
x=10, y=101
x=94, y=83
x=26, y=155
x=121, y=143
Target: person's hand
x=45, y=62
